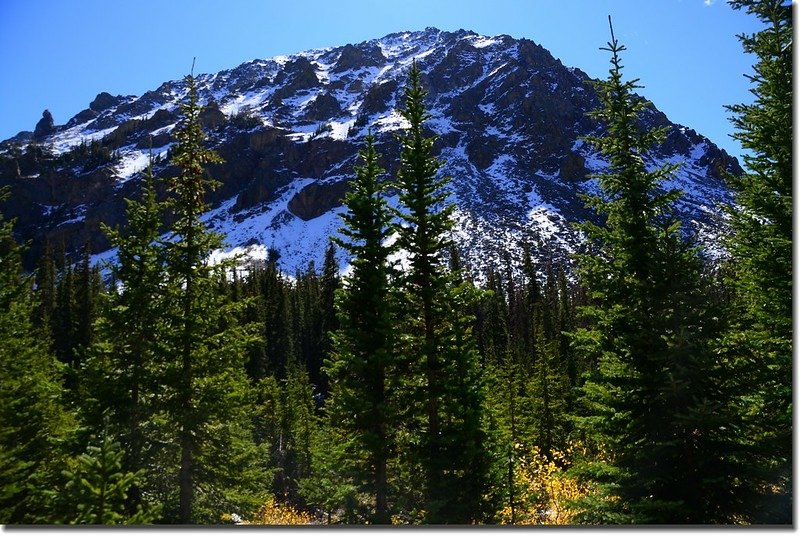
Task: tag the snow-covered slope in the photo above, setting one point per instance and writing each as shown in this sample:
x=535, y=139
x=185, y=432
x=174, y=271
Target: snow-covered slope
x=508, y=115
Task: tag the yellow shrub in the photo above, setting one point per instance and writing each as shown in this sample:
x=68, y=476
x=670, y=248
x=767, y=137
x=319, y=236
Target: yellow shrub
x=543, y=490
x=273, y=513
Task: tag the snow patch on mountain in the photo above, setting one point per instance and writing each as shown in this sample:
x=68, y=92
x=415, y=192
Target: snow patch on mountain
x=72, y=137
x=510, y=119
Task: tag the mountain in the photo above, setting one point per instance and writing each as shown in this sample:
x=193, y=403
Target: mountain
x=509, y=117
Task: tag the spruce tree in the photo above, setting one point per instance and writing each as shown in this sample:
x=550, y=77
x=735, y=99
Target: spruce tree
x=307, y=313
x=510, y=430
x=549, y=375
x=279, y=340
x=362, y=364
x=330, y=282
x=46, y=286
x=653, y=400
x=255, y=312
x=492, y=325
x=329, y=487
x=34, y=420
x=451, y=451
x=208, y=390
x=98, y=486
x=65, y=320
x=298, y=433
x=88, y=287
x=123, y=367
x=760, y=337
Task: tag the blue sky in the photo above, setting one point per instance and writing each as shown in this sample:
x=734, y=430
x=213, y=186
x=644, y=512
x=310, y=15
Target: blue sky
x=59, y=54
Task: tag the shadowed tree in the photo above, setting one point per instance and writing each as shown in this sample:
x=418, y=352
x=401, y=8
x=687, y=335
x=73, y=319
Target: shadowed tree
x=760, y=338
x=437, y=328
x=362, y=364
x=654, y=399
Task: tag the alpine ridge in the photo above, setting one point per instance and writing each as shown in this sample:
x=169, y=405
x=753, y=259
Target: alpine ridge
x=508, y=115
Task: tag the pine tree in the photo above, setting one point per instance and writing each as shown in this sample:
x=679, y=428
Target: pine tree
x=256, y=362
x=492, y=325
x=46, y=286
x=653, y=399
x=88, y=287
x=451, y=451
x=329, y=487
x=298, y=434
x=307, y=313
x=210, y=393
x=549, y=375
x=34, y=421
x=510, y=429
x=361, y=366
x=531, y=304
x=330, y=282
x=65, y=320
x=122, y=370
x=565, y=325
x=98, y=486
x=760, y=338
x=279, y=339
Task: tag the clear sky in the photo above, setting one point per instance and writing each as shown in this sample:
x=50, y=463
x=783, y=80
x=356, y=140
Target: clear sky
x=58, y=54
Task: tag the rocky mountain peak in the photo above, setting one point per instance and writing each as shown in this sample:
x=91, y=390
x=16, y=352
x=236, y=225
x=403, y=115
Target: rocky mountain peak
x=45, y=126
x=509, y=119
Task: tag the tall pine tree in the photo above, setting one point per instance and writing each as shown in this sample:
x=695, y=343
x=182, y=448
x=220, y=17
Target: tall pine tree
x=123, y=368
x=653, y=401
x=209, y=391
x=760, y=338
x=445, y=374
x=361, y=367
x=33, y=417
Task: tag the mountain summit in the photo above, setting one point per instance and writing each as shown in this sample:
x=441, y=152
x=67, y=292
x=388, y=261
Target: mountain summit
x=509, y=117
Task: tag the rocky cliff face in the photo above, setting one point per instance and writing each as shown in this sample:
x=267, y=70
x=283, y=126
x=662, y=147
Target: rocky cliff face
x=509, y=118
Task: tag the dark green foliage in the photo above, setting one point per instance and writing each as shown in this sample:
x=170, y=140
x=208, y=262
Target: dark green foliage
x=361, y=368
x=246, y=118
x=70, y=303
x=206, y=389
x=408, y=395
x=314, y=315
x=760, y=338
x=329, y=488
x=255, y=313
x=521, y=338
x=443, y=363
x=288, y=429
x=34, y=421
x=652, y=400
x=120, y=378
x=46, y=286
x=269, y=308
x=330, y=282
x=88, y=286
x=279, y=338
x=65, y=321
x=98, y=487
x=292, y=452
x=551, y=386
x=91, y=155
x=507, y=428
x=493, y=321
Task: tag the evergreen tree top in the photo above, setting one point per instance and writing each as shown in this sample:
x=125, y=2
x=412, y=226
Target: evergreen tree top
x=191, y=156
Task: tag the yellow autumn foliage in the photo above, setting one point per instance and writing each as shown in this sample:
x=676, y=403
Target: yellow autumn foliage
x=543, y=490
x=274, y=513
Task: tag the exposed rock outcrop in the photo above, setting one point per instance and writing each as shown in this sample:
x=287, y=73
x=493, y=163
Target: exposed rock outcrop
x=45, y=126
x=316, y=199
x=508, y=116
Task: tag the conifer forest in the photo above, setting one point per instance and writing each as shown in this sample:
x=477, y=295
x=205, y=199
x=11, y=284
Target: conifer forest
x=642, y=384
